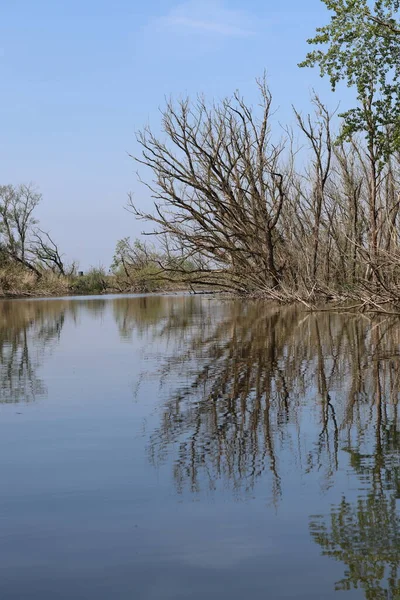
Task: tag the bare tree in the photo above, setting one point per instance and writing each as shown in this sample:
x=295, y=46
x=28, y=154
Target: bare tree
x=47, y=252
x=219, y=189
x=17, y=221
x=238, y=206
x=21, y=240
x=319, y=136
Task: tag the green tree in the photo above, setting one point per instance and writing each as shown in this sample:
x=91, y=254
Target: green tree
x=361, y=47
x=136, y=265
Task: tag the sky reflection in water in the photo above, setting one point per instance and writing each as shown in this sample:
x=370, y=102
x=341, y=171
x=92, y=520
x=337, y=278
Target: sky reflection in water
x=176, y=447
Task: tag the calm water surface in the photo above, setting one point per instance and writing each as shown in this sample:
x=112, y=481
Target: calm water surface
x=187, y=447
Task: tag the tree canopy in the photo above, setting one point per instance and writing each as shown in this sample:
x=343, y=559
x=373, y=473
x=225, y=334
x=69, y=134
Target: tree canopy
x=361, y=47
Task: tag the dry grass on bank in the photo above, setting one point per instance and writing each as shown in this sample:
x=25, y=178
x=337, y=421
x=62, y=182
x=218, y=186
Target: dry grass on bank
x=17, y=281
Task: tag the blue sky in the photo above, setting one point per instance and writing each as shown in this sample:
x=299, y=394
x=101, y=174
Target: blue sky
x=79, y=77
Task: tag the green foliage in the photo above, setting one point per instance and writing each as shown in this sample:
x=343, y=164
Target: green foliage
x=140, y=267
x=365, y=537
x=135, y=255
x=93, y=282
x=135, y=265
x=361, y=46
x=147, y=279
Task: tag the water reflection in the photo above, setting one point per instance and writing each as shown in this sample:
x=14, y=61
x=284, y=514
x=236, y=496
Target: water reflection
x=157, y=316
x=254, y=374
x=249, y=393
x=365, y=536
x=28, y=330
x=228, y=418
x=258, y=384
x=364, y=533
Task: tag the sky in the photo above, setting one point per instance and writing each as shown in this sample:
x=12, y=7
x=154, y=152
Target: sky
x=78, y=78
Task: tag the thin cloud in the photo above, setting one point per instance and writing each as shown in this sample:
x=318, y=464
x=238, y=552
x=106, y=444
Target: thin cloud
x=207, y=18
x=210, y=27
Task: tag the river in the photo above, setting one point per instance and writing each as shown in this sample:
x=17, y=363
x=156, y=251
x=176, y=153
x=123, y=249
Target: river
x=175, y=447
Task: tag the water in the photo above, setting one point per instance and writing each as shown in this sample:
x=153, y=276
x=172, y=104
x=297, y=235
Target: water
x=191, y=447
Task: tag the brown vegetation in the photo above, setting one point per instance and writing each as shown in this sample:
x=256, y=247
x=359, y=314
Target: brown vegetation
x=31, y=263
x=254, y=215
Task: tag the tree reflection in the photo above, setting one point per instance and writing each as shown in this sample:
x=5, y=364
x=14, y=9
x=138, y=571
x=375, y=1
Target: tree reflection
x=364, y=533
x=249, y=386
x=225, y=421
x=158, y=316
x=241, y=385
x=365, y=536
x=28, y=330
x=247, y=389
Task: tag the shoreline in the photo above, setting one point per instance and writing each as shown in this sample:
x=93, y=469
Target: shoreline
x=368, y=307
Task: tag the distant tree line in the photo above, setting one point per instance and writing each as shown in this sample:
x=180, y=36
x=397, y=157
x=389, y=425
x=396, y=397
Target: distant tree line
x=31, y=262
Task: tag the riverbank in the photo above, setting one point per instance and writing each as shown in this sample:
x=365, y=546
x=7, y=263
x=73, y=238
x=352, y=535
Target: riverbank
x=358, y=299
x=17, y=282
